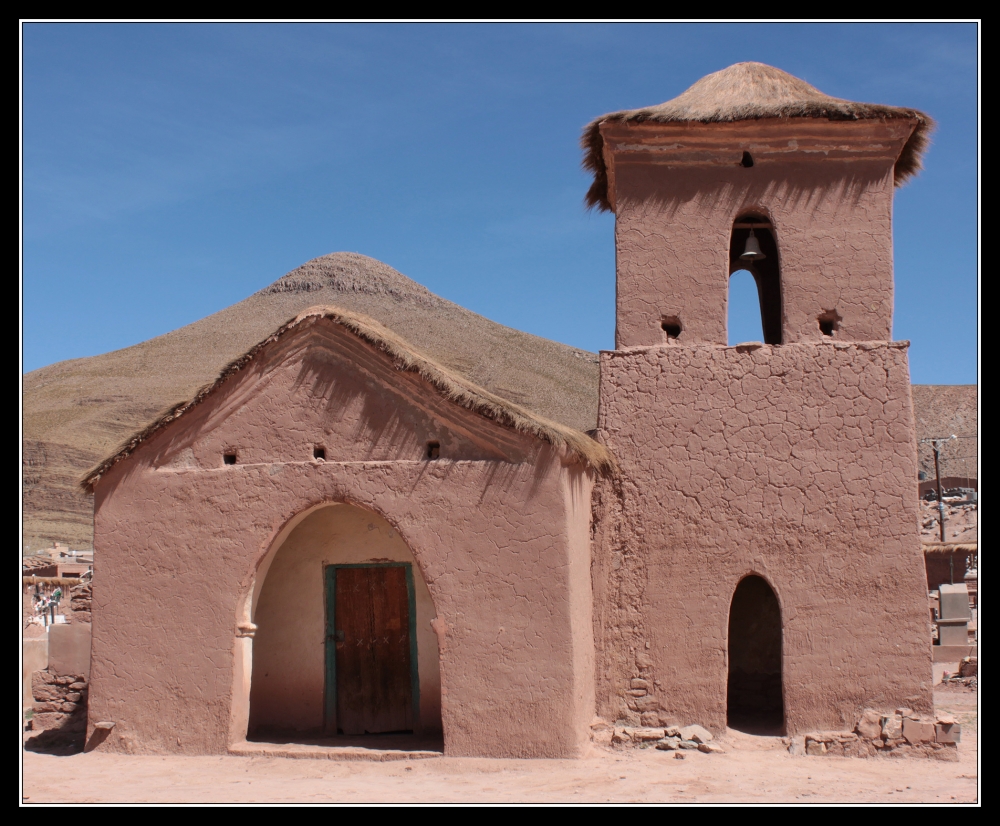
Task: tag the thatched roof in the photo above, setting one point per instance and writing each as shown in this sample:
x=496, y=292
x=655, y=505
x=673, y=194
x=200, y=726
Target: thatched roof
x=950, y=547
x=406, y=358
x=750, y=91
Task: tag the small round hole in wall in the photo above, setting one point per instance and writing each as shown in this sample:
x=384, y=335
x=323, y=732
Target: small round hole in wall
x=433, y=450
x=747, y=160
x=671, y=326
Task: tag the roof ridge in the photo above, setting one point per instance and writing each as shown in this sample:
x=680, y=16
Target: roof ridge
x=453, y=386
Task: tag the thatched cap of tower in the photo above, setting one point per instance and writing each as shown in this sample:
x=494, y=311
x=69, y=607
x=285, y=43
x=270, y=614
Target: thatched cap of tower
x=750, y=91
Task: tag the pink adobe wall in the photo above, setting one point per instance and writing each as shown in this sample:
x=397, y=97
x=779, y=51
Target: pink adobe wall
x=826, y=187
x=495, y=528
x=794, y=462
x=352, y=409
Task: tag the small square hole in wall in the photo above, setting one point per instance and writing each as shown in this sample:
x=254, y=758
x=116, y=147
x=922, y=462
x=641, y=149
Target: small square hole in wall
x=671, y=327
x=319, y=453
x=433, y=450
x=229, y=458
x=829, y=322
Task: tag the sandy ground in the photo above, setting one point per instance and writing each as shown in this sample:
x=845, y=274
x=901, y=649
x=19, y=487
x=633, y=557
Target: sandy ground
x=753, y=770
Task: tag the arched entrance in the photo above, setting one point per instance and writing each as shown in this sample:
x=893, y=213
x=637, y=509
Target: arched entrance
x=343, y=641
x=754, y=692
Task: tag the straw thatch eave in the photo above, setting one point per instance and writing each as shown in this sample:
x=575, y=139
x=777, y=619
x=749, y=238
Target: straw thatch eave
x=950, y=547
x=744, y=92
x=406, y=358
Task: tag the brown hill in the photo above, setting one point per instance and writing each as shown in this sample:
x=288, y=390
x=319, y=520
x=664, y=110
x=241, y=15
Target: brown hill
x=942, y=410
x=76, y=412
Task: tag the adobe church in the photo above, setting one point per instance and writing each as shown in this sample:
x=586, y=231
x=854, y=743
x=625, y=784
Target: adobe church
x=342, y=537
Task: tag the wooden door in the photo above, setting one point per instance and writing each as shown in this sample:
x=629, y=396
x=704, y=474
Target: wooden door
x=374, y=661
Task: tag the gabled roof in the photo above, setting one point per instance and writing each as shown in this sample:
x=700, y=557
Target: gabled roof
x=750, y=91
x=405, y=357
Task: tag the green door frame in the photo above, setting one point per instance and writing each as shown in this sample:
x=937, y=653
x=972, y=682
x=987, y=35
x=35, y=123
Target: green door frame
x=330, y=688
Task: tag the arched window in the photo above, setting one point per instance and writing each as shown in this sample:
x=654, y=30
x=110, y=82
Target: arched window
x=753, y=250
x=743, y=322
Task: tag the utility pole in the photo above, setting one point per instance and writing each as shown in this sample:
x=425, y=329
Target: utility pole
x=936, y=445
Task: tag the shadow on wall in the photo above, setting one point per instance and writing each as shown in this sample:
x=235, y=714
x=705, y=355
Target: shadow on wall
x=815, y=189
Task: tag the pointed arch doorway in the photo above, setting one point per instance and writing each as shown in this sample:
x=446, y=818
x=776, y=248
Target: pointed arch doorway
x=754, y=693
x=344, y=642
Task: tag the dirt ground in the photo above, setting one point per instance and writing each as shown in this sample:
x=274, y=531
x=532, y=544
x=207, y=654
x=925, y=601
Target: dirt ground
x=753, y=770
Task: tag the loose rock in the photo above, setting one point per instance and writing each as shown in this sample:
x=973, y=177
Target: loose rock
x=917, y=731
x=696, y=733
x=870, y=725
x=892, y=728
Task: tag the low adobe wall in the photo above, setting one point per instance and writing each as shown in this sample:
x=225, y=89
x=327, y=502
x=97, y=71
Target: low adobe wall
x=796, y=463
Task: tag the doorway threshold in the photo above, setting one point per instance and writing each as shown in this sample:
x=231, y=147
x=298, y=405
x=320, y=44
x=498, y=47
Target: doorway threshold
x=377, y=748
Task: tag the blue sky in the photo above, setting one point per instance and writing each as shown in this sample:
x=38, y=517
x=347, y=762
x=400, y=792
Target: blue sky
x=170, y=170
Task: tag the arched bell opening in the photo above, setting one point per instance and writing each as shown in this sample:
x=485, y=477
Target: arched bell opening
x=753, y=248
x=754, y=693
x=342, y=642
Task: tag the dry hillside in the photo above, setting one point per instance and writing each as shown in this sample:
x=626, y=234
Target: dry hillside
x=942, y=410
x=76, y=412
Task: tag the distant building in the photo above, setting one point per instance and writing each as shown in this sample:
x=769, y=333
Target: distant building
x=58, y=561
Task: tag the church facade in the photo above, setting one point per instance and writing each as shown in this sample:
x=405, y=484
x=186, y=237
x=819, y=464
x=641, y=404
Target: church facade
x=342, y=537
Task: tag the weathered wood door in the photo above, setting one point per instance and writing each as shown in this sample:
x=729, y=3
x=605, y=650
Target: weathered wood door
x=371, y=656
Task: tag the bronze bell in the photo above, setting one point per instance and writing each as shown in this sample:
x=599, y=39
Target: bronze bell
x=752, y=250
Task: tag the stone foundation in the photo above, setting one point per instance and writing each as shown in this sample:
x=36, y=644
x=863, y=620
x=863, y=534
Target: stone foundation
x=80, y=601
x=60, y=706
x=901, y=734
x=665, y=738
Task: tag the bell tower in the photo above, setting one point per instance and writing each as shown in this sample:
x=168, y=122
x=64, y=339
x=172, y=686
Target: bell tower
x=772, y=483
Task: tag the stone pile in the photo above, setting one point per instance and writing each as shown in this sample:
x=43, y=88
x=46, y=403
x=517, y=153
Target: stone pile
x=904, y=733
x=668, y=738
x=60, y=703
x=80, y=601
